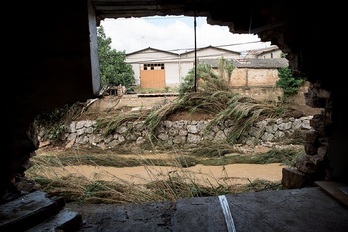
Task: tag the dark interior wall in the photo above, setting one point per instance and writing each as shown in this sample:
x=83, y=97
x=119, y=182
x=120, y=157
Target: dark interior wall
x=49, y=65
x=337, y=153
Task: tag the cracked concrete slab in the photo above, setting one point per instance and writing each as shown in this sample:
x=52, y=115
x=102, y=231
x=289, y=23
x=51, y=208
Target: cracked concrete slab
x=306, y=209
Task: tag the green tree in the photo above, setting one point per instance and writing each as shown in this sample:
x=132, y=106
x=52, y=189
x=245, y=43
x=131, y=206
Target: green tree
x=207, y=80
x=187, y=85
x=288, y=83
x=113, y=68
x=225, y=67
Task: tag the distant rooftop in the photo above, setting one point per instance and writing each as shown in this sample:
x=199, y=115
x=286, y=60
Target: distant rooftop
x=252, y=63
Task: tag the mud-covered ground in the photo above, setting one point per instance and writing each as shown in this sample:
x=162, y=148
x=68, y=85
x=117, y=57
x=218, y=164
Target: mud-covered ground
x=109, y=104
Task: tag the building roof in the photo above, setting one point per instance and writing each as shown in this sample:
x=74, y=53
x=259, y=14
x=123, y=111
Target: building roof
x=252, y=63
x=217, y=48
x=258, y=52
x=151, y=49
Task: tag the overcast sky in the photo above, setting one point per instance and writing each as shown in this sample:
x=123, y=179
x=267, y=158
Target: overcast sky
x=174, y=33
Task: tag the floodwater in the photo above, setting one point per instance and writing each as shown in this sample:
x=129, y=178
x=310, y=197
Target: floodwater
x=210, y=175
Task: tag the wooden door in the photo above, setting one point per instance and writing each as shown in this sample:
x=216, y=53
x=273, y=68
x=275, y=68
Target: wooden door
x=152, y=76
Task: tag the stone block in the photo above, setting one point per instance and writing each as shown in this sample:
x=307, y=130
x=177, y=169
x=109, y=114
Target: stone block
x=292, y=178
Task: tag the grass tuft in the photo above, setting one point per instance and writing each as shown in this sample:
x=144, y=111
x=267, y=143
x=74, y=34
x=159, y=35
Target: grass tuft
x=51, y=172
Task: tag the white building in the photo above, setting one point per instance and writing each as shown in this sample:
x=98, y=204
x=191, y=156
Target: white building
x=154, y=68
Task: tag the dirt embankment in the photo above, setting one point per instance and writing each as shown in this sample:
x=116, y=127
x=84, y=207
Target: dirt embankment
x=109, y=104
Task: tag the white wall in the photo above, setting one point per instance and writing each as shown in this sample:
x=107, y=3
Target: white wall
x=136, y=69
x=172, y=74
x=270, y=55
x=185, y=68
x=150, y=56
x=176, y=71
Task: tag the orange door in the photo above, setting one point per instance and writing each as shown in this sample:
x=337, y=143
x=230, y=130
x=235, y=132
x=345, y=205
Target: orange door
x=152, y=79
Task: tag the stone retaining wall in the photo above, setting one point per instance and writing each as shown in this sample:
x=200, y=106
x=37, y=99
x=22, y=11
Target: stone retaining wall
x=184, y=133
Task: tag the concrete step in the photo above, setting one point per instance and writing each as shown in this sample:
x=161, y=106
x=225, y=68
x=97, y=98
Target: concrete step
x=66, y=220
x=32, y=209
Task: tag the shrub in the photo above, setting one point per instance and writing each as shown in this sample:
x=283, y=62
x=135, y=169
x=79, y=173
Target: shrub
x=288, y=83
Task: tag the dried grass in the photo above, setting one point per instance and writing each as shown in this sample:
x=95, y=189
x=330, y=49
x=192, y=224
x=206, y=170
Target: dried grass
x=160, y=184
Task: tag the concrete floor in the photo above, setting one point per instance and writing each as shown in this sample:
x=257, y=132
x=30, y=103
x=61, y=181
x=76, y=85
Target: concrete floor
x=307, y=209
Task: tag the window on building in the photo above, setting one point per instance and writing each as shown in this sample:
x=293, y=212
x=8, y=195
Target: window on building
x=152, y=66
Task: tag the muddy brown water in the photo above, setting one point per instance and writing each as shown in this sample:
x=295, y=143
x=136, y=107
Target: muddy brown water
x=231, y=173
